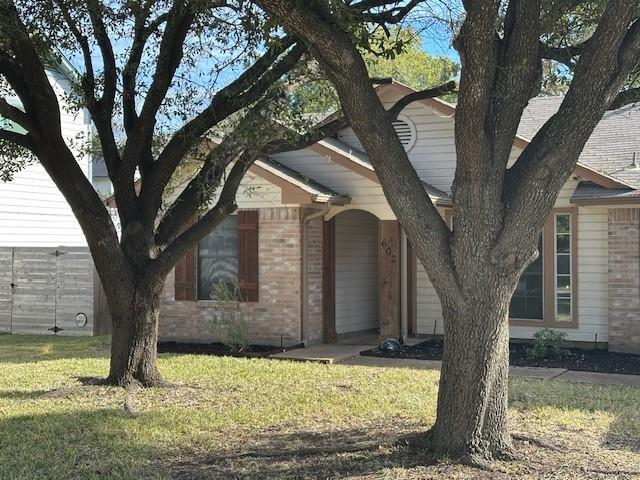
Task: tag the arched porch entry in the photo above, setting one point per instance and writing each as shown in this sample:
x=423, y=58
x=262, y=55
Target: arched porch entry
x=361, y=276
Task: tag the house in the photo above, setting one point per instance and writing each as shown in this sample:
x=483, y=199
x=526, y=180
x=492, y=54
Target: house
x=320, y=253
x=46, y=270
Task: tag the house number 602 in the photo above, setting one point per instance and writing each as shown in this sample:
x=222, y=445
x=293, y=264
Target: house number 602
x=386, y=248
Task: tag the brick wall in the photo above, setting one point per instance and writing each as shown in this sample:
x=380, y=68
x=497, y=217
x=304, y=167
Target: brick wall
x=276, y=314
x=314, y=278
x=624, y=279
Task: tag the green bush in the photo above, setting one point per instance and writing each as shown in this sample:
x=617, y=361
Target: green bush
x=229, y=322
x=548, y=344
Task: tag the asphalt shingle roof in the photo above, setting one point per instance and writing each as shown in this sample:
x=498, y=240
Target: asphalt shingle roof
x=612, y=144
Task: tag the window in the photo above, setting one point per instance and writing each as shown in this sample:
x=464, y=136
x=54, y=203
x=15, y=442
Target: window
x=218, y=257
x=526, y=302
x=546, y=294
x=563, y=267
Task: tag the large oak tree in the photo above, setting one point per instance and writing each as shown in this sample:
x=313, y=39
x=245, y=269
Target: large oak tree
x=499, y=210
x=167, y=83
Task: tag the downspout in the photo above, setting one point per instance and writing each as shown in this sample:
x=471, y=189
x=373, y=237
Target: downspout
x=304, y=274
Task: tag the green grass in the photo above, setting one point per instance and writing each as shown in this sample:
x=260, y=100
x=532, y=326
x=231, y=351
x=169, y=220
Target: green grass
x=275, y=415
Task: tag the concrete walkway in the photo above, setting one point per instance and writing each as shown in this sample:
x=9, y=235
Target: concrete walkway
x=561, y=374
x=349, y=354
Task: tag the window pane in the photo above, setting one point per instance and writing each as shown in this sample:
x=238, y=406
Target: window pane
x=563, y=285
x=564, y=265
x=518, y=307
x=563, y=243
x=563, y=223
x=534, y=308
x=564, y=309
x=534, y=285
x=526, y=302
x=218, y=257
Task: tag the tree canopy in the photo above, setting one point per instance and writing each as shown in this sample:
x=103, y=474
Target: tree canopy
x=396, y=54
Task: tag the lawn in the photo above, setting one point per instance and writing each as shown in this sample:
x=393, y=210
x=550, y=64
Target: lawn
x=262, y=419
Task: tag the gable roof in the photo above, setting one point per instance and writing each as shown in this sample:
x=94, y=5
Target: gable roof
x=296, y=187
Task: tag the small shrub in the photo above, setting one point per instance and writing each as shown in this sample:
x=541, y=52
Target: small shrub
x=548, y=344
x=229, y=321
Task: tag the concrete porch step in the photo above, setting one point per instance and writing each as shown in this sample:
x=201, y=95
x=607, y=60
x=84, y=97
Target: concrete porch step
x=334, y=353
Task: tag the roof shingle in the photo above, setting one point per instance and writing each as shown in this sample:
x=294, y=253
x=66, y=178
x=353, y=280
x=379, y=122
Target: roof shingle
x=612, y=144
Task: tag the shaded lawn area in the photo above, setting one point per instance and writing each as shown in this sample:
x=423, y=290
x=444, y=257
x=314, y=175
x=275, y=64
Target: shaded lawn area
x=265, y=419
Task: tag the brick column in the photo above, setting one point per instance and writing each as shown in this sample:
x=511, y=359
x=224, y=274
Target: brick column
x=624, y=279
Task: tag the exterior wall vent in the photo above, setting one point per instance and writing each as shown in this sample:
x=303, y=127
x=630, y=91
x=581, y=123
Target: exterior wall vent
x=406, y=131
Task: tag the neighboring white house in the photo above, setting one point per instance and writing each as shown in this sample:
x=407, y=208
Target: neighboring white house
x=46, y=274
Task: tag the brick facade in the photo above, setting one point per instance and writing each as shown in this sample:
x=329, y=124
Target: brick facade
x=624, y=279
x=277, y=314
x=314, y=278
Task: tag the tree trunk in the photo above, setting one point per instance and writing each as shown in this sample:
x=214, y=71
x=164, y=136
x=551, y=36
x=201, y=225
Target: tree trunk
x=471, y=421
x=135, y=336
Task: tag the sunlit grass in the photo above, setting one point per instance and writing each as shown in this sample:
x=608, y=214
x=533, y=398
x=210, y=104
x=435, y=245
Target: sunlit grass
x=51, y=427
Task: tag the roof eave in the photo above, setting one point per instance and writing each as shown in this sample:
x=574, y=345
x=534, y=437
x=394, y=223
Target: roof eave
x=587, y=201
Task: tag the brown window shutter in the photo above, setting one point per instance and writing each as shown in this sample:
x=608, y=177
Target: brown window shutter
x=248, y=255
x=185, y=281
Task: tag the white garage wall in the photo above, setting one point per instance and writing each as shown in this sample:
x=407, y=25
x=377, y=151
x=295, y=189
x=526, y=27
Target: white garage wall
x=356, y=271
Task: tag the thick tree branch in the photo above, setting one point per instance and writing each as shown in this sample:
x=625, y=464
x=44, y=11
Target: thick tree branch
x=625, y=97
x=180, y=19
x=20, y=139
x=564, y=55
x=142, y=32
x=208, y=179
x=225, y=205
x=108, y=57
x=445, y=88
x=14, y=114
x=88, y=82
x=389, y=17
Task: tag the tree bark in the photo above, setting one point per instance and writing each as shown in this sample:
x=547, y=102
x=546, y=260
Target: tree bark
x=471, y=422
x=135, y=335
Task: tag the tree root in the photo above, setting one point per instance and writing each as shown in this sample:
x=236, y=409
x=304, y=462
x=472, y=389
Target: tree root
x=93, y=381
x=299, y=452
x=521, y=437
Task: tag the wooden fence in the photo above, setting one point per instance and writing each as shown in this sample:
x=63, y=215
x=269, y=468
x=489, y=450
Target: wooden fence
x=42, y=290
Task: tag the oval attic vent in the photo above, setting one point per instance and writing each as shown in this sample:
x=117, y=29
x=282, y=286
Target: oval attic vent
x=406, y=131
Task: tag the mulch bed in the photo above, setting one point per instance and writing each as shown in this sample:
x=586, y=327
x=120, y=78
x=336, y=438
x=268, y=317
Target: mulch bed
x=586, y=360
x=218, y=349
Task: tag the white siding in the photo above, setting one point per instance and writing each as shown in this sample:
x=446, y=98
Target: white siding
x=33, y=212
x=592, y=280
x=365, y=194
x=356, y=272
x=254, y=192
